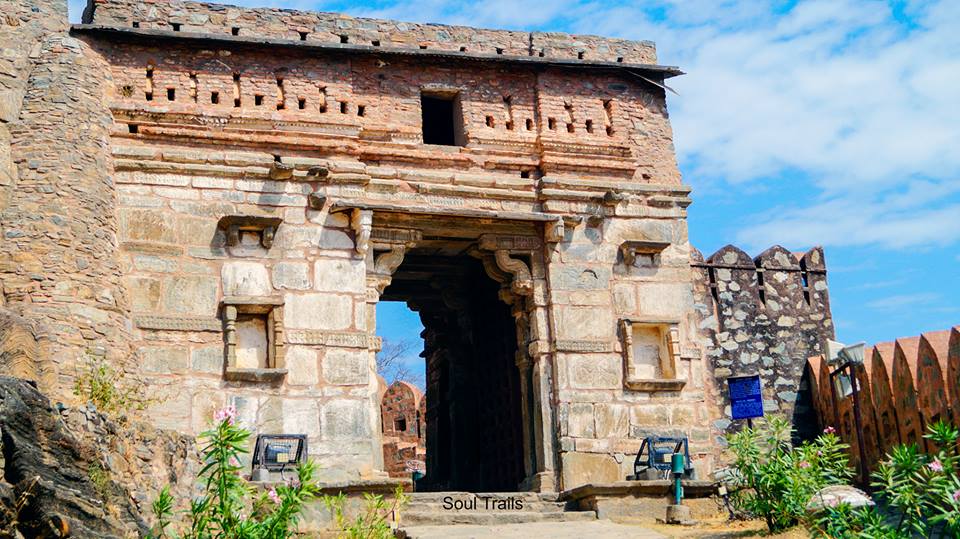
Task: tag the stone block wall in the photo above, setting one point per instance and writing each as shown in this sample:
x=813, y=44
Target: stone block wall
x=764, y=316
x=339, y=28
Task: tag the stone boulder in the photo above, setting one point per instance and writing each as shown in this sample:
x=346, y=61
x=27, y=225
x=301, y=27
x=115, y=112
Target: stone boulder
x=835, y=495
x=62, y=487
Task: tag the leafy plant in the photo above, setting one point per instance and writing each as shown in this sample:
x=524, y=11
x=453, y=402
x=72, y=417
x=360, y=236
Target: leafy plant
x=774, y=480
x=374, y=521
x=100, y=477
x=109, y=390
x=920, y=492
x=228, y=507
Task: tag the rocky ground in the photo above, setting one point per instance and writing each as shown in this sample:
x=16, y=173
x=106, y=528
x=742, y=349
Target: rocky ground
x=72, y=471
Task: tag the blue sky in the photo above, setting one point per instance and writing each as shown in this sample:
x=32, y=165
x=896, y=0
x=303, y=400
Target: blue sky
x=833, y=123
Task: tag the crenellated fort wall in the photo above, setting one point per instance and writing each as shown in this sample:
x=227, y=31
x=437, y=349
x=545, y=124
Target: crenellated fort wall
x=906, y=385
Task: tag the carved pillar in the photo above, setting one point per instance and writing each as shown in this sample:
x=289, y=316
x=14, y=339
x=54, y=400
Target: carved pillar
x=527, y=290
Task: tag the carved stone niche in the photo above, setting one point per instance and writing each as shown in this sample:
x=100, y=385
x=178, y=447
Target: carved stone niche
x=651, y=353
x=253, y=229
x=646, y=253
x=253, y=329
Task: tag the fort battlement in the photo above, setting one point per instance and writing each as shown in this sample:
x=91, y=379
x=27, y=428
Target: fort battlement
x=337, y=28
x=764, y=315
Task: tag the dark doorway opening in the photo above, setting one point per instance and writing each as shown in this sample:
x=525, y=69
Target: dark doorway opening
x=442, y=119
x=474, y=417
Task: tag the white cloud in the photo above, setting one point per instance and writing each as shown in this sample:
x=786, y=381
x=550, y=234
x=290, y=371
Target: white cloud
x=903, y=300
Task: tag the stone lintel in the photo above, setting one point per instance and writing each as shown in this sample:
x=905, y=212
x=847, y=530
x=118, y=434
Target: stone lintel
x=254, y=375
x=179, y=323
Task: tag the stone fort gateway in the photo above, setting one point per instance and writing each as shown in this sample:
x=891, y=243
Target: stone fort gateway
x=215, y=199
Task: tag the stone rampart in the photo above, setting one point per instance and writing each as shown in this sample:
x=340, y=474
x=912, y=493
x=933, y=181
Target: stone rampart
x=59, y=268
x=764, y=315
x=905, y=386
x=290, y=24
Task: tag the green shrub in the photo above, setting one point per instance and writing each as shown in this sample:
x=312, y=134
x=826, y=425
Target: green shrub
x=775, y=481
x=109, y=390
x=920, y=492
x=374, y=521
x=229, y=507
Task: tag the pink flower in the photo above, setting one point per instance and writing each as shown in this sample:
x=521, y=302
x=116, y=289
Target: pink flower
x=829, y=430
x=228, y=414
x=292, y=482
x=819, y=453
x=272, y=494
x=936, y=465
x=956, y=496
x=804, y=464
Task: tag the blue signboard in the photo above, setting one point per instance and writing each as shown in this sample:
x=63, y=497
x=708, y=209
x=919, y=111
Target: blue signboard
x=746, y=399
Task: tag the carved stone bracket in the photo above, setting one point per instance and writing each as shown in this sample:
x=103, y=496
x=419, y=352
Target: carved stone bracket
x=361, y=221
x=630, y=249
x=554, y=231
x=390, y=245
x=234, y=224
x=521, y=282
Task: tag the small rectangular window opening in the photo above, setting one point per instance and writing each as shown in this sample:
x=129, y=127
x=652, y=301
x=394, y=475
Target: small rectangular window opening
x=551, y=123
x=589, y=126
x=400, y=425
x=375, y=42
x=171, y=94
x=175, y=26
x=133, y=128
x=463, y=49
x=529, y=124
x=344, y=39
x=301, y=103
x=235, y=31
x=258, y=100
x=361, y=110
x=136, y=24
x=499, y=50
x=490, y=122
x=423, y=47
x=524, y=173
x=580, y=55
x=343, y=107
x=303, y=35
x=215, y=98
x=442, y=123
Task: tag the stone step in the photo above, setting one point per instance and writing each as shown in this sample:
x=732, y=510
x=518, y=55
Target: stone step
x=482, y=506
x=488, y=518
x=525, y=496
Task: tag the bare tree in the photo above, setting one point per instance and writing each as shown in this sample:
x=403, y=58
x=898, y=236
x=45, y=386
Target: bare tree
x=391, y=364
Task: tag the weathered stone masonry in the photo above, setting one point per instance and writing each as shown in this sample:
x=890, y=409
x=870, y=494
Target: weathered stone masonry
x=218, y=197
